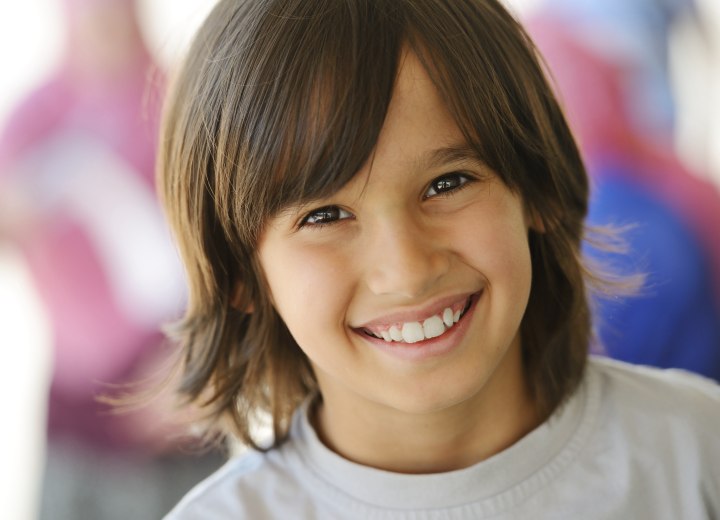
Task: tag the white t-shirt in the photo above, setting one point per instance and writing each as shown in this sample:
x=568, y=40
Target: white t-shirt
x=632, y=443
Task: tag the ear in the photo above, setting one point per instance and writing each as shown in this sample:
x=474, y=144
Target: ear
x=240, y=300
x=535, y=221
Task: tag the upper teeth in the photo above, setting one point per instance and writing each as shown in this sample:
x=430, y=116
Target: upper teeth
x=414, y=331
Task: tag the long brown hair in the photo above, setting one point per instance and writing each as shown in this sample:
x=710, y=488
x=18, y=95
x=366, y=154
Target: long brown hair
x=281, y=101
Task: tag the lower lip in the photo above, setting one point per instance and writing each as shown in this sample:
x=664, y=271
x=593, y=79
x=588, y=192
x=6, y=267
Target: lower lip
x=432, y=347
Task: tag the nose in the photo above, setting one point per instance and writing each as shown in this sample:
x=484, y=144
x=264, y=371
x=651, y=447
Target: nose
x=404, y=257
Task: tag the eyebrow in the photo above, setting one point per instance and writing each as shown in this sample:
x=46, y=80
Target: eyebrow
x=449, y=154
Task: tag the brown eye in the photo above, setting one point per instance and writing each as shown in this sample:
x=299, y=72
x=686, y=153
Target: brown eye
x=325, y=215
x=446, y=183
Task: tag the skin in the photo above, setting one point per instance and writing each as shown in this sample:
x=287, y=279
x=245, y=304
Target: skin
x=396, y=243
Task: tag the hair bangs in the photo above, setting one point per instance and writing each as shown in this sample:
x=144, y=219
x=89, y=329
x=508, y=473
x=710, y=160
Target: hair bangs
x=494, y=88
x=321, y=109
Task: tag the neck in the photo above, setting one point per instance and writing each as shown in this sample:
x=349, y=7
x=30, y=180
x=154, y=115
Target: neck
x=438, y=441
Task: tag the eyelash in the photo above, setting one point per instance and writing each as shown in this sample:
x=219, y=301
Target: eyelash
x=304, y=223
x=464, y=179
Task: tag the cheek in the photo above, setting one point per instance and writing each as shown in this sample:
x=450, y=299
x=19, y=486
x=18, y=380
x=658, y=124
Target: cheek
x=496, y=243
x=496, y=246
x=308, y=288
x=511, y=263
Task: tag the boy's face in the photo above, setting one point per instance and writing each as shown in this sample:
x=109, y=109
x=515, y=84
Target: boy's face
x=422, y=235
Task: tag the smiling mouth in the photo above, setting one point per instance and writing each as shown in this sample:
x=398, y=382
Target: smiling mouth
x=416, y=331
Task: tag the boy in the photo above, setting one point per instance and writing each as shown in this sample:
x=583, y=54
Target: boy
x=380, y=207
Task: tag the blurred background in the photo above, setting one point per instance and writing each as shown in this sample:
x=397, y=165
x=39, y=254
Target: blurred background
x=88, y=273
x=87, y=270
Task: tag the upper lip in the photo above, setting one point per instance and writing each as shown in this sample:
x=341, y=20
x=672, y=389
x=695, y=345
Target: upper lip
x=417, y=314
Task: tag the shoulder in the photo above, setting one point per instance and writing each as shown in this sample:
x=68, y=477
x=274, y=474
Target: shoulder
x=676, y=384
x=647, y=397
x=240, y=489
x=654, y=446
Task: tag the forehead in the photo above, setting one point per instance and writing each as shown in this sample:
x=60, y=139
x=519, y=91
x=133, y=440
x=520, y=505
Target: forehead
x=416, y=126
x=416, y=104
x=419, y=140
x=419, y=137
x=418, y=132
